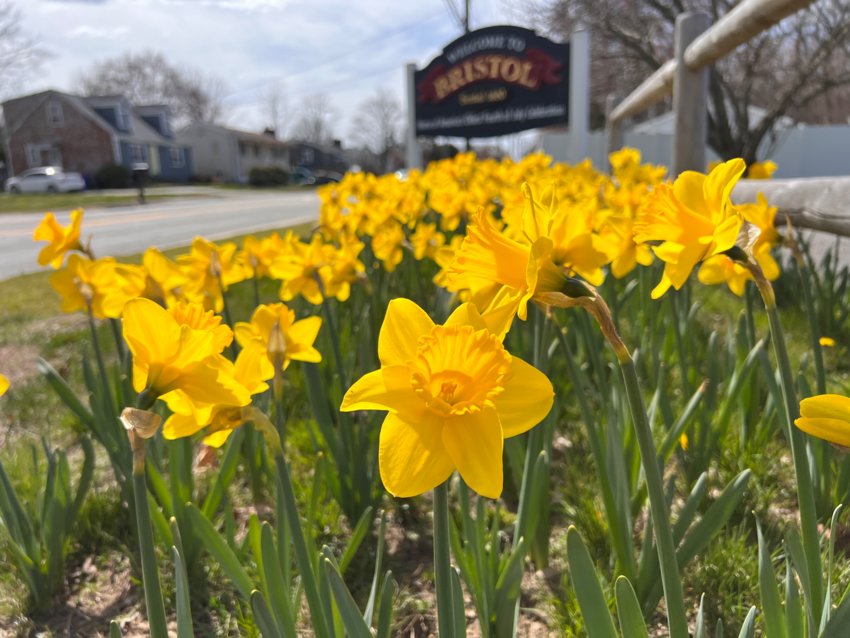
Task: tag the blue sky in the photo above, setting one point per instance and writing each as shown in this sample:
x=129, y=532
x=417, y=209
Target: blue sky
x=341, y=48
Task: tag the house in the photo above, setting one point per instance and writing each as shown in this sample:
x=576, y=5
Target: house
x=85, y=134
x=319, y=157
x=228, y=154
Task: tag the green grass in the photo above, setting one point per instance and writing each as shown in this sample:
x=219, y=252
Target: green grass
x=32, y=203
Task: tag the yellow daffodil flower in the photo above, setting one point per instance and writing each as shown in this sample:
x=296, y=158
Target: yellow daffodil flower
x=694, y=219
x=453, y=394
x=762, y=170
x=60, y=239
x=274, y=332
x=826, y=416
x=163, y=279
x=102, y=286
x=210, y=269
x=826, y=342
x=298, y=268
x=4, y=385
x=223, y=418
x=175, y=362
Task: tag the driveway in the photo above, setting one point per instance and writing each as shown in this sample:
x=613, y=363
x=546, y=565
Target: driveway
x=166, y=224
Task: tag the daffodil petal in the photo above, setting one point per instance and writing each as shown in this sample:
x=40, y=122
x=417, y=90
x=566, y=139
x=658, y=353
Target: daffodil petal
x=217, y=439
x=466, y=315
x=151, y=333
x=403, y=324
x=474, y=443
x=833, y=430
x=826, y=406
x=178, y=426
x=385, y=389
x=411, y=455
x=4, y=385
x=525, y=400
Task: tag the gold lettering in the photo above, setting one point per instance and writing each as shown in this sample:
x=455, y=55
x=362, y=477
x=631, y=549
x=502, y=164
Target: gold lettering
x=510, y=70
x=468, y=72
x=527, y=79
x=495, y=61
x=480, y=66
x=441, y=87
x=456, y=80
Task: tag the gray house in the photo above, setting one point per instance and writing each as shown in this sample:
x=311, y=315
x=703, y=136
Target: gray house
x=228, y=154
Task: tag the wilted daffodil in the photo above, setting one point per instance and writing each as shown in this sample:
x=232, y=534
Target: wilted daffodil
x=177, y=363
x=694, y=219
x=60, y=239
x=453, y=394
x=274, y=332
x=826, y=416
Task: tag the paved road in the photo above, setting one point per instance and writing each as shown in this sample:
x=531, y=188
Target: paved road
x=131, y=229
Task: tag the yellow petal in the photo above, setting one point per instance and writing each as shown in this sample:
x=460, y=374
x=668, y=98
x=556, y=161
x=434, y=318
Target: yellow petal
x=826, y=406
x=151, y=333
x=411, y=455
x=179, y=425
x=526, y=399
x=385, y=389
x=833, y=430
x=4, y=385
x=403, y=324
x=466, y=315
x=826, y=342
x=474, y=443
x=305, y=331
x=217, y=439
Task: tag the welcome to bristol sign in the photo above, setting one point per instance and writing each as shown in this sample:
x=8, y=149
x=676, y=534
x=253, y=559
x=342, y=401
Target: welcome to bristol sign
x=493, y=81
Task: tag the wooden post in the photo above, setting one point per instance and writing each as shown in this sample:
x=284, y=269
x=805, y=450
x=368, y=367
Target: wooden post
x=613, y=128
x=690, y=96
x=579, y=100
x=412, y=152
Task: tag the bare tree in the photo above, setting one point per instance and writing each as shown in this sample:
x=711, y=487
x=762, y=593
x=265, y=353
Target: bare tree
x=315, y=120
x=275, y=108
x=800, y=66
x=149, y=78
x=20, y=53
x=376, y=123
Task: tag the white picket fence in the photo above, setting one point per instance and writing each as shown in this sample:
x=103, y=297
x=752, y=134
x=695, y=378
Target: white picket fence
x=800, y=151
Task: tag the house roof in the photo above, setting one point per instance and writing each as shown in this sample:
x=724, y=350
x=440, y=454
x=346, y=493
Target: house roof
x=242, y=136
x=17, y=110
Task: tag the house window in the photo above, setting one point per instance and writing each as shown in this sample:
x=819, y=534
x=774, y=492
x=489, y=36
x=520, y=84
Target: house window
x=54, y=115
x=178, y=160
x=138, y=153
x=123, y=117
x=33, y=154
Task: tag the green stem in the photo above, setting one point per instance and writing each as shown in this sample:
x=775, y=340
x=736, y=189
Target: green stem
x=676, y=617
x=820, y=372
x=805, y=491
x=443, y=562
x=150, y=574
x=302, y=555
x=101, y=366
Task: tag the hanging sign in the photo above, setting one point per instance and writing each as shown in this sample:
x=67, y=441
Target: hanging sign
x=493, y=81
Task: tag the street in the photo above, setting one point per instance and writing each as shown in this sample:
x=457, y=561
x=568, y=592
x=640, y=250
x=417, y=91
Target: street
x=131, y=229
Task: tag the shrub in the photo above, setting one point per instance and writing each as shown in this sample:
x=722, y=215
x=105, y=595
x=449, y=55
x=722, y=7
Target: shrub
x=267, y=176
x=112, y=176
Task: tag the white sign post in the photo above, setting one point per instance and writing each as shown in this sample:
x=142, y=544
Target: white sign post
x=412, y=152
x=579, y=138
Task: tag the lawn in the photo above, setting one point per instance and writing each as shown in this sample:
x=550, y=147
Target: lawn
x=34, y=202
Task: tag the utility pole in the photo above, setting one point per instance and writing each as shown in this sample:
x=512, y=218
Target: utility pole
x=465, y=31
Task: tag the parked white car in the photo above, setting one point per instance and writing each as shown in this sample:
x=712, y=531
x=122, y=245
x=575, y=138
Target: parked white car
x=45, y=179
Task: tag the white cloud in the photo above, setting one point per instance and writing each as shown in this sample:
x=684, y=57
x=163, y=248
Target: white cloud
x=89, y=31
x=340, y=48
